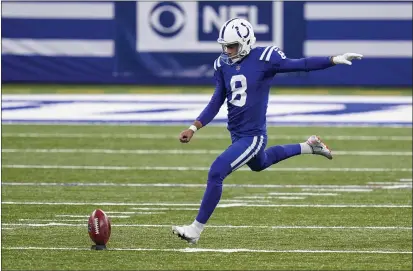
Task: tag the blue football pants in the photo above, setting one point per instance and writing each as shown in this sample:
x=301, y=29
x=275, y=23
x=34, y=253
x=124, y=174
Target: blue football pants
x=244, y=150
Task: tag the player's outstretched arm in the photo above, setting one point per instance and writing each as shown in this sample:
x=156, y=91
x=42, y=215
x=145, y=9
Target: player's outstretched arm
x=281, y=64
x=315, y=63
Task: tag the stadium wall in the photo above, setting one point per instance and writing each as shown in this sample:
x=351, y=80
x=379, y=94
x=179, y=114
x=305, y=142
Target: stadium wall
x=174, y=43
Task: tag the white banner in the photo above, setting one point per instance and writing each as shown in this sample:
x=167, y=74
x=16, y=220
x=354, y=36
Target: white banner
x=179, y=108
x=194, y=26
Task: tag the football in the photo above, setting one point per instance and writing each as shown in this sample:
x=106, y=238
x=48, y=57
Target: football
x=99, y=227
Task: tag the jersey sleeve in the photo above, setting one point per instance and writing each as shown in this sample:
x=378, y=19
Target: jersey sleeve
x=217, y=99
x=278, y=62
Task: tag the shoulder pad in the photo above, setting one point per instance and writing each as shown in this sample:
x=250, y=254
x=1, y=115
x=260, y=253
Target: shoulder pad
x=217, y=63
x=267, y=52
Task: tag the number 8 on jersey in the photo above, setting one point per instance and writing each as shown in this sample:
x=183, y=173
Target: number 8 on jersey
x=238, y=87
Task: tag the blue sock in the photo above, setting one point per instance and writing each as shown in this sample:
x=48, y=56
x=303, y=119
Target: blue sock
x=217, y=173
x=276, y=154
x=210, y=200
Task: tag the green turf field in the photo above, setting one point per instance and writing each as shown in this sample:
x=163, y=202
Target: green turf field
x=307, y=213
x=132, y=89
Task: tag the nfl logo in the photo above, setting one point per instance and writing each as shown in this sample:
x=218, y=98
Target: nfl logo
x=238, y=67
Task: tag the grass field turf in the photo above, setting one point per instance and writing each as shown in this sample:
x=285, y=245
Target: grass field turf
x=356, y=224
x=133, y=89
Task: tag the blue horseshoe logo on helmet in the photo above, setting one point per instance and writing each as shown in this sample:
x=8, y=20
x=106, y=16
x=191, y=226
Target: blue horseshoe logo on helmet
x=239, y=34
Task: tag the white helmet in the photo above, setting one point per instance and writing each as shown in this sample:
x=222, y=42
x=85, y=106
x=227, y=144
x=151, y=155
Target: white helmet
x=236, y=31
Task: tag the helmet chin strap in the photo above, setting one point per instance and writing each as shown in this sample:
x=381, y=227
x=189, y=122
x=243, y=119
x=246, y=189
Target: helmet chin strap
x=236, y=59
x=232, y=60
x=239, y=55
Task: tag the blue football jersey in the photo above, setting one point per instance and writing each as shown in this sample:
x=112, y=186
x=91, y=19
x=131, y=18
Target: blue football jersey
x=246, y=84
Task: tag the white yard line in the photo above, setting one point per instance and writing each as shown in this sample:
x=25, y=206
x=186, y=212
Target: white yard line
x=180, y=151
x=59, y=224
x=398, y=186
x=145, y=168
x=405, y=180
x=338, y=189
x=134, y=213
x=333, y=186
x=201, y=136
x=226, y=250
x=268, y=197
x=373, y=153
x=164, y=209
x=236, y=204
x=303, y=194
x=244, y=201
x=385, y=183
x=51, y=220
x=87, y=216
x=287, y=197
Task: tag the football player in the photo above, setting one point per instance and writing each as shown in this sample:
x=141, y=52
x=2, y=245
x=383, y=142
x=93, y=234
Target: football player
x=243, y=76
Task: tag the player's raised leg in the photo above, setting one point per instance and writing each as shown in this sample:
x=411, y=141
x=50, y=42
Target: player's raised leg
x=235, y=156
x=276, y=154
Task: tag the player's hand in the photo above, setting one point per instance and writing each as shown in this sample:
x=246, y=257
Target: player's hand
x=186, y=136
x=346, y=58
